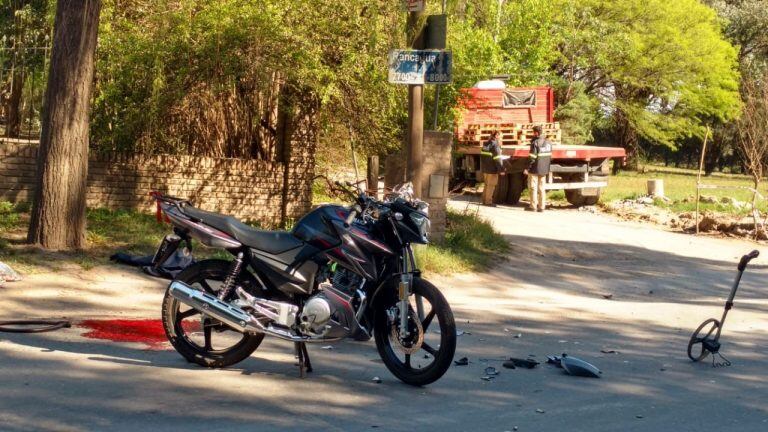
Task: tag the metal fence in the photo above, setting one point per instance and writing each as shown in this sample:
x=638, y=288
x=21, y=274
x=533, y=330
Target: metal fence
x=28, y=65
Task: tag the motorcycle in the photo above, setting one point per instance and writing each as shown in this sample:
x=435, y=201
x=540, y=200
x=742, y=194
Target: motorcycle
x=341, y=272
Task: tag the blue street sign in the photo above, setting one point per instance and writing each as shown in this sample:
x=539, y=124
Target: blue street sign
x=420, y=67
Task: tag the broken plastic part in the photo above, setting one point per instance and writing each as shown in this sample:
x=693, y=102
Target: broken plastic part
x=578, y=367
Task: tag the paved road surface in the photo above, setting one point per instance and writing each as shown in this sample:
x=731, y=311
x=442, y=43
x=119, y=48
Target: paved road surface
x=549, y=290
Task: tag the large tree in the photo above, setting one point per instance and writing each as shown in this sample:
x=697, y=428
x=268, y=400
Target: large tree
x=58, y=212
x=662, y=68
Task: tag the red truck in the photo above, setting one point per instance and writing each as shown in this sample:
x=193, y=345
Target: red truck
x=580, y=170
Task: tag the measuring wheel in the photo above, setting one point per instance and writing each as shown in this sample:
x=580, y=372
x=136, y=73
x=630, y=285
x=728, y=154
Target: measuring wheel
x=704, y=340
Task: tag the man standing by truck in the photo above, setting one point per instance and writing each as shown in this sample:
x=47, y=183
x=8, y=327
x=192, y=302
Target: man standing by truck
x=491, y=164
x=539, y=157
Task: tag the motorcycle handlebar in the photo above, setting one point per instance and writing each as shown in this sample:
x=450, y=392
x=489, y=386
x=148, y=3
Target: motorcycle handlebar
x=747, y=258
x=351, y=217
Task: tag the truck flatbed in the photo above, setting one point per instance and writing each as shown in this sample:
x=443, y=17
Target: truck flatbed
x=559, y=151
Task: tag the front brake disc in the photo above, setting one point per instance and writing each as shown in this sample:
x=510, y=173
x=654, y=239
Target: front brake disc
x=412, y=345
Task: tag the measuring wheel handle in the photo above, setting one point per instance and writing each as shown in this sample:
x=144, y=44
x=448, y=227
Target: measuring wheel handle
x=747, y=258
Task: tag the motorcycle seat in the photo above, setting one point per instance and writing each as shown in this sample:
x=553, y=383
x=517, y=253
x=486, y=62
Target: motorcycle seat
x=273, y=242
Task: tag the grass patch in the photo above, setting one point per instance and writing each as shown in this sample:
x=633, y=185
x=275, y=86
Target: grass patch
x=470, y=244
x=680, y=188
x=134, y=232
x=10, y=216
x=322, y=195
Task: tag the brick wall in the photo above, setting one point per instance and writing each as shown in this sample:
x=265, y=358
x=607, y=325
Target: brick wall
x=247, y=189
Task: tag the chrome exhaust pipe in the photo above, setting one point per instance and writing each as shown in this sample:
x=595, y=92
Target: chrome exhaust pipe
x=230, y=315
x=210, y=305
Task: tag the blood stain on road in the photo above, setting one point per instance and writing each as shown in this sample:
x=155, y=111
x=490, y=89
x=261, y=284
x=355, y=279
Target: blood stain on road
x=146, y=331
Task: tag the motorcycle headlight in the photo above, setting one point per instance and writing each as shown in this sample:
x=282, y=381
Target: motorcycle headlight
x=422, y=223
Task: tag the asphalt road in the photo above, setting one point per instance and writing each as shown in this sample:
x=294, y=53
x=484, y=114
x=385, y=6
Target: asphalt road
x=550, y=291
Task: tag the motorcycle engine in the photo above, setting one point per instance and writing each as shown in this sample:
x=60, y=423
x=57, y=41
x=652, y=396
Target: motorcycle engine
x=346, y=281
x=331, y=313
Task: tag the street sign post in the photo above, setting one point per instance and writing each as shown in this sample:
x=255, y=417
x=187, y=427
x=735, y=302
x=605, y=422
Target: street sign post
x=420, y=67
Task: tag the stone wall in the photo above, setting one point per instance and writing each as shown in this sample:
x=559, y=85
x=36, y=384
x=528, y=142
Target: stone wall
x=255, y=190
x=437, y=171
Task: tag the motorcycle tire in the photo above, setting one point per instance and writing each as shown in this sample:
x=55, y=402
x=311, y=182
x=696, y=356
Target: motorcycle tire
x=200, y=275
x=442, y=353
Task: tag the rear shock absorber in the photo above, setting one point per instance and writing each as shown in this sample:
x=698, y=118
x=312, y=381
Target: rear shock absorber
x=229, y=282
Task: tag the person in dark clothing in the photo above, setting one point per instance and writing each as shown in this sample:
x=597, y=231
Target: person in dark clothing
x=539, y=158
x=491, y=163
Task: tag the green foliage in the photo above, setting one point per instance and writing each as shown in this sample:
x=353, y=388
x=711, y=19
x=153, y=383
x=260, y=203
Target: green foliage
x=111, y=229
x=665, y=65
x=578, y=116
x=471, y=244
x=529, y=37
x=203, y=76
x=746, y=24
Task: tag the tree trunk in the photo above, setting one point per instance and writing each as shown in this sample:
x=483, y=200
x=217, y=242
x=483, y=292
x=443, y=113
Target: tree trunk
x=627, y=138
x=58, y=213
x=13, y=105
x=712, y=160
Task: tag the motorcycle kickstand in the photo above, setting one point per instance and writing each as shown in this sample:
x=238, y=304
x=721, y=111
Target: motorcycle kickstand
x=303, y=356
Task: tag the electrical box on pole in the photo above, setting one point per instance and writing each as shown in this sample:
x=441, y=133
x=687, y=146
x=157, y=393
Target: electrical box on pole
x=435, y=32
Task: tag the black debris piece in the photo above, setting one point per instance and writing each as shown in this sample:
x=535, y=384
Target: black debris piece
x=513, y=363
x=461, y=362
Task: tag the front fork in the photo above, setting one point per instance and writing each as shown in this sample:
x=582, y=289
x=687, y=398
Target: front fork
x=407, y=270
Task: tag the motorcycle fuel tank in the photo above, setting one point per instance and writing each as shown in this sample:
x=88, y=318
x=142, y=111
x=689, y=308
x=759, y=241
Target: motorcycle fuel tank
x=351, y=246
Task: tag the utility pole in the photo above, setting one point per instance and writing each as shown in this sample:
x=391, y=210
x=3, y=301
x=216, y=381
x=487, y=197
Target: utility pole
x=415, y=110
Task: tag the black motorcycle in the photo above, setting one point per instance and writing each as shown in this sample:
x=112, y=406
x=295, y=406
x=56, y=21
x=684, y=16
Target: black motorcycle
x=341, y=272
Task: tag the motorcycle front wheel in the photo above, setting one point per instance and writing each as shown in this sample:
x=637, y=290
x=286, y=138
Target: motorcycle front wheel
x=426, y=353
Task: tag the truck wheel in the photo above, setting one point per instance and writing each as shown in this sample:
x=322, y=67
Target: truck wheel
x=577, y=198
x=500, y=194
x=516, y=187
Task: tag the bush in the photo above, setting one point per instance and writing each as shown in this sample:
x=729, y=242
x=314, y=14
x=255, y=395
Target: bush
x=10, y=218
x=471, y=244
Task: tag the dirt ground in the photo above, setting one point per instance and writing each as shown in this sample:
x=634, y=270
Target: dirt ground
x=547, y=297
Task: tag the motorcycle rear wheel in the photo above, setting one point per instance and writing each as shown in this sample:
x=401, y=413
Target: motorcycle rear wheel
x=183, y=330
x=436, y=354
